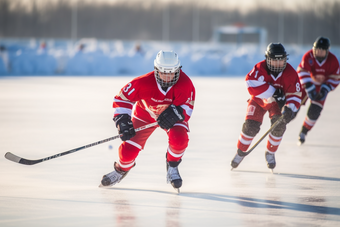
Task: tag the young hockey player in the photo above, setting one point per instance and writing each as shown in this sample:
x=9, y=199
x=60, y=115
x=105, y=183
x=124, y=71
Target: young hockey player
x=165, y=95
x=319, y=74
x=273, y=85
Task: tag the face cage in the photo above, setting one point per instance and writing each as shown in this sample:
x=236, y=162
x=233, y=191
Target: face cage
x=276, y=69
x=167, y=83
x=320, y=59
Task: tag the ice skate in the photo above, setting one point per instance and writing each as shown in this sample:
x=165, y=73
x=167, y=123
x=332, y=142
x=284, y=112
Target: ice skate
x=270, y=158
x=173, y=176
x=237, y=159
x=114, y=177
x=302, y=138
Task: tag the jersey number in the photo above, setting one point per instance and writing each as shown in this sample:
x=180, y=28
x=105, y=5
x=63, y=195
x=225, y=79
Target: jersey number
x=298, y=87
x=126, y=89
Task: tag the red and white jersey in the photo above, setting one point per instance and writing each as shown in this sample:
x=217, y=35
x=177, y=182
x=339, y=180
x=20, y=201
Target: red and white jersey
x=261, y=86
x=148, y=99
x=311, y=70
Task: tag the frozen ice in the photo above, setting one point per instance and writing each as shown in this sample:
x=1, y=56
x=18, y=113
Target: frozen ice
x=42, y=116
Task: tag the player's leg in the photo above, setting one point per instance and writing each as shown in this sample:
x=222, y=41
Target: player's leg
x=128, y=152
x=312, y=116
x=274, y=137
x=178, y=142
x=250, y=128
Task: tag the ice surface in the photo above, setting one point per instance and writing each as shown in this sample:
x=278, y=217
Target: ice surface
x=42, y=116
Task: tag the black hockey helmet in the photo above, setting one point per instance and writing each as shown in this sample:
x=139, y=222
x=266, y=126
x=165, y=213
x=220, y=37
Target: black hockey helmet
x=274, y=52
x=322, y=43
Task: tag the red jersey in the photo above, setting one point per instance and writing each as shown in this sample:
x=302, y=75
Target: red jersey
x=149, y=99
x=311, y=70
x=262, y=85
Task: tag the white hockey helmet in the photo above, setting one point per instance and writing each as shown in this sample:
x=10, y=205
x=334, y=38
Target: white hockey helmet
x=167, y=62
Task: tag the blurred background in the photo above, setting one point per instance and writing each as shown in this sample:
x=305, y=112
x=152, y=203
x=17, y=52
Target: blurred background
x=117, y=37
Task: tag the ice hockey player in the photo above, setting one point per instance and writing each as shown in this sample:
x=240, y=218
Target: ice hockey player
x=165, y=95
x=319, y=74
x=274, y=86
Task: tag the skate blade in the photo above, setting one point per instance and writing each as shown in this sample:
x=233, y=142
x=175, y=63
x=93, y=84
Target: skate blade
x=271, y=170
x=299, y=142
x=102, y=186
x=177, y=190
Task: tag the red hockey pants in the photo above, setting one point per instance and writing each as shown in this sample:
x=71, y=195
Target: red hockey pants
x=129, y=150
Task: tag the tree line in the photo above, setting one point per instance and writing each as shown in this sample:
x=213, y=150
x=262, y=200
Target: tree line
x=183, y=22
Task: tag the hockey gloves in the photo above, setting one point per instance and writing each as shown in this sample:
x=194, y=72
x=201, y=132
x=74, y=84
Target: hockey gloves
x=170, y=116
x=310, y=89
x=124, y=126
x=324, y=89
x=280, y=98
x=288, y=114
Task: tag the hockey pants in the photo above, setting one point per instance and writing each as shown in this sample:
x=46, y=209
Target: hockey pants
x=178, y=140
x=253, y=122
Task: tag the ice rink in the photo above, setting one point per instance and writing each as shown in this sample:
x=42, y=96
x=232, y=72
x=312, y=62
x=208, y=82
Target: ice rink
x=43, y=116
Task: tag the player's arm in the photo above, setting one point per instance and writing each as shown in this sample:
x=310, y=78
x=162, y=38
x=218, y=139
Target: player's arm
x=306, y=81
x=332, y=81
x=123, y=104
x=259, y=88
x=187, y=103
x=293, y=98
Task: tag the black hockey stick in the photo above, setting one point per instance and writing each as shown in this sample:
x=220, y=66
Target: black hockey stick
x=269, y=130
x=15, y=158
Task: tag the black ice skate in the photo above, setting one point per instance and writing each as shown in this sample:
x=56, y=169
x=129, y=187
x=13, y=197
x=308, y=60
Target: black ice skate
x=270, y=158
x=239, y=156
x=302, y=138
x=173, y=176
x=302, y=135
x=114, y=177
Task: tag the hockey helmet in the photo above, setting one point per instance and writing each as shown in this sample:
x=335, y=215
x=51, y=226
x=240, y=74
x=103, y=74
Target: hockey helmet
x=274, y=53
x=322, y=43
x=167, y=68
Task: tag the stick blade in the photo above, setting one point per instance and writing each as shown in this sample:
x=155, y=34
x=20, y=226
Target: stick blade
x=12, y=157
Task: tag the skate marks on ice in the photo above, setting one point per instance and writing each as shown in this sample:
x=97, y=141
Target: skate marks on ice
x=306, y=144
x=265, y=203
x=270, y=170
x=300, y=176
x=249, y=202
x=170, y=192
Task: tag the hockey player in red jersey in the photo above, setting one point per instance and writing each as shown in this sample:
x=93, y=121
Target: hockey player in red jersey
x=274, y=86
x=166, y=96
x=319, y=74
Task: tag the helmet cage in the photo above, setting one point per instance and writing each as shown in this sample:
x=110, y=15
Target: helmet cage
x=167, y=62
x=320, y=59
x=273, y=66
x=275, y=52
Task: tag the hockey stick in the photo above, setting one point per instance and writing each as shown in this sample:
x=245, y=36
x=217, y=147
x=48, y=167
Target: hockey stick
x=15, y=158
x=269, y=130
